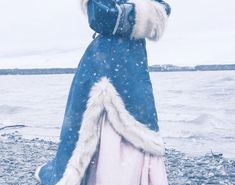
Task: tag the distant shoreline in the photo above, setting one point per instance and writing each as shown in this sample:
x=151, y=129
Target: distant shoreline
x=153, y=68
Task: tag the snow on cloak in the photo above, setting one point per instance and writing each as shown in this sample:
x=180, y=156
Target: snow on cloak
x=112, y=76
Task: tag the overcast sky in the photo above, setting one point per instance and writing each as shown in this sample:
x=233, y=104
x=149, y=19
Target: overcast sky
x=53, y=33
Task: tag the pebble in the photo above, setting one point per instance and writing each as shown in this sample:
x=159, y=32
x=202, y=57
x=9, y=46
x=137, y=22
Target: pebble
x=19, y=158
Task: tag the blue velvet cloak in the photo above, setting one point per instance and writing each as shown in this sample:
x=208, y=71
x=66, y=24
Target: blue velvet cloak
x=112, y=76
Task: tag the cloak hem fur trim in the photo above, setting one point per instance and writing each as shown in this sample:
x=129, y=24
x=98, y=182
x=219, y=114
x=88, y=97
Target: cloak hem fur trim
x=103, y=98
x=36, y=174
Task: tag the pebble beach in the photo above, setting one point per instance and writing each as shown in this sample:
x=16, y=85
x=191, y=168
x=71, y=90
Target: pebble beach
x=19, y=158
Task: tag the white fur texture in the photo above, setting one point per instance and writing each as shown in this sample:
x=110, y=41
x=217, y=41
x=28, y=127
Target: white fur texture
x=104, y=97
x=150, y=19
x=83, y=4
x=36, y=174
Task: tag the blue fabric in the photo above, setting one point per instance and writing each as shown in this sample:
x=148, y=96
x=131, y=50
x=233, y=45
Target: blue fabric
x=124, y=62
x=127, y=19
x=166, y=5
x=102, y=16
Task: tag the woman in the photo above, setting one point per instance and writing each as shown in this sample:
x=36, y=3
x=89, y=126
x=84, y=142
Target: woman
x=110, y=133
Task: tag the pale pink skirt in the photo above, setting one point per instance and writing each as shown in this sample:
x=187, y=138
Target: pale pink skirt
x=117, y=162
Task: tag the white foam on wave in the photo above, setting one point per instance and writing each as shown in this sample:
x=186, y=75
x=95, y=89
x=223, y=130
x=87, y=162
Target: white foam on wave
x=189, y=115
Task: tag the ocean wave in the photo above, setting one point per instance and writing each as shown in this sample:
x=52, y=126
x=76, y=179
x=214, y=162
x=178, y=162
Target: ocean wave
x=227, y=78
x=185, y=136
x=12, y=127
x=7, y=109
x=229, y=111
x=208, y=137
x=199, y=119
x=207, y=118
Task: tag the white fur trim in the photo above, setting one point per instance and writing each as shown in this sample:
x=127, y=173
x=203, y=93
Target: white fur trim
x=104, y=97
x=83, y=4
x=36, y=174
x=150, y=19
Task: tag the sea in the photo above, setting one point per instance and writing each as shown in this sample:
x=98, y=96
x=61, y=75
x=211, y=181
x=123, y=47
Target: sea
x=196, y=109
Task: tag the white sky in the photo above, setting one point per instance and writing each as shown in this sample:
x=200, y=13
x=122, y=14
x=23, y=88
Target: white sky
x=53, y=33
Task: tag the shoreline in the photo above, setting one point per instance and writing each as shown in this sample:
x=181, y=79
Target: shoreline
x=20, y=157
x=153, y=68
